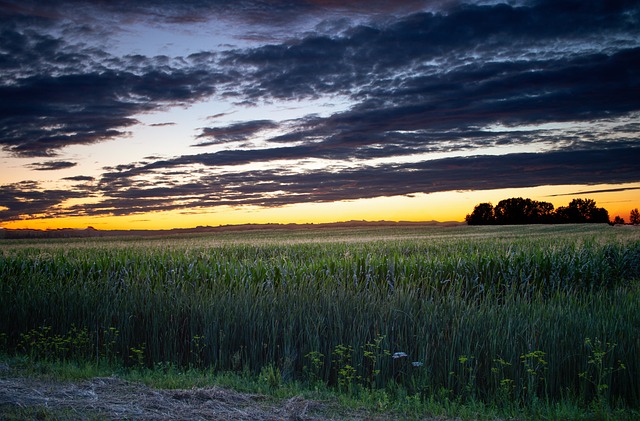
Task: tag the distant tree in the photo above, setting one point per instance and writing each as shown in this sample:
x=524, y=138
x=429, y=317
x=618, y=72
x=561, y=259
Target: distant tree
x=483, y=214
x=634, y=217
x=565, y=215
x=523, y=211
x=545, y=212
x=581, y=211
x=601, y=216
x=512, y=211
x=618, y=220
x=517, y=210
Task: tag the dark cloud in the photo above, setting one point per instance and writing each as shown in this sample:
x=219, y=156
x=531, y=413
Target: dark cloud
x=235, y=132
x=420, y=77
x=219, y=115
x=447, y=69
x=129, y=193
x=614, y=190
x=52, y=165
x=471, y=173
x=162, y=124
x=28, y=199
x=263, y=12
x=281, y=186
x=44, y=112
x=426, y=71
x=80, y=178
x=56, y=92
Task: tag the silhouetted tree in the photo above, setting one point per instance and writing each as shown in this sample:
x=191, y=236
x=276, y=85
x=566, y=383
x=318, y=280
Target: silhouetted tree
x=512, y=211
x=618, y=220
x=517, y=210
x=482, y=215
x=634, y=217
x=567, y=215
x=581, y=211
x=523, y=211
x=545, y=212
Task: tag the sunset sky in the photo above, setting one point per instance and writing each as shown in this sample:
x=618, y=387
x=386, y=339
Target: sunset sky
x=162, y=114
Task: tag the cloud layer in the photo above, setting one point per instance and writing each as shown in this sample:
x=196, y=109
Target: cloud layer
x=420, y=77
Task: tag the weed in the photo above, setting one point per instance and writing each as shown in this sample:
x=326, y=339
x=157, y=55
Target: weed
x=502, y=384
x=43, y=344
x=535, y=367
x=599, y=371
x=345, y=371
x=373, y=353
x=313, y=370
x=271, y=376
x=137, y=356
x=198, y=346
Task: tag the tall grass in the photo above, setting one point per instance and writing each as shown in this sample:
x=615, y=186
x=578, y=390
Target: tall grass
x=491, y=313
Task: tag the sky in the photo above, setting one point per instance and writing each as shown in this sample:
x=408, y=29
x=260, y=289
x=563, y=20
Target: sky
x=160, y=114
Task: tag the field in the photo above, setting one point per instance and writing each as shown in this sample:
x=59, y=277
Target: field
x=504, y=315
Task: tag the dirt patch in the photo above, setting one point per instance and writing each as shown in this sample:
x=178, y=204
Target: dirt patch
x=117, y=399
x=113, y=398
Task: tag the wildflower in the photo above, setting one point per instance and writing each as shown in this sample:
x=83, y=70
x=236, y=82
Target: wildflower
x=417, y=363
x=400, y=354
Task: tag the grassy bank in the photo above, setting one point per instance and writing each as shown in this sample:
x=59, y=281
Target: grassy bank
x=502, y=316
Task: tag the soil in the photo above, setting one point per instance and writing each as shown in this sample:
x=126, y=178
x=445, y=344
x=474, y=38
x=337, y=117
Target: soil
x=112, y=398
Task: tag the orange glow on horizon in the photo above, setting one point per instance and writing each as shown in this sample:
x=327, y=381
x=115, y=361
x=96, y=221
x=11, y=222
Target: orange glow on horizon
x=443, y=207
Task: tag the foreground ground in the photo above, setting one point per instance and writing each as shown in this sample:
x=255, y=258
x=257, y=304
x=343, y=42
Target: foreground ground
x=116, y=399
x=113, y=398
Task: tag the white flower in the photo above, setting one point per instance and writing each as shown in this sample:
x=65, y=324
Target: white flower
x=399, y=355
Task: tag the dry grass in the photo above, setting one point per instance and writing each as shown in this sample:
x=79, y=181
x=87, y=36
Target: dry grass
x=116, y=399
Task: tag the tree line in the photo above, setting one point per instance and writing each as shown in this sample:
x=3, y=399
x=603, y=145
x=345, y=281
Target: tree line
x=517, y=210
